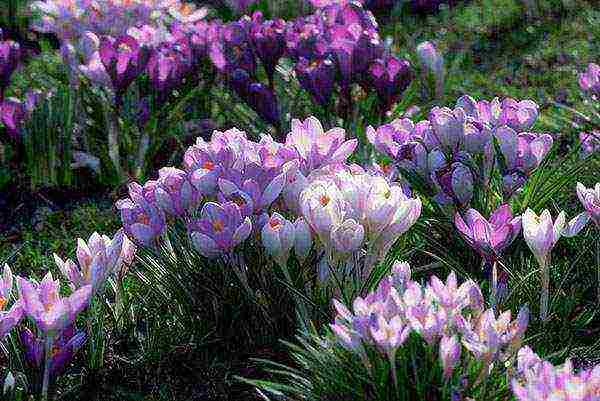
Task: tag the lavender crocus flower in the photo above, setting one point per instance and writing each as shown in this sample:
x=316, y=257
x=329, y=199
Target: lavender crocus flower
x=8, y=318
x=219, y=229
x=489, y=238
x=278, y=236
x=14, y=112
x=174, y=193
x=44, y=305
x=590, y=199
x=142, y=220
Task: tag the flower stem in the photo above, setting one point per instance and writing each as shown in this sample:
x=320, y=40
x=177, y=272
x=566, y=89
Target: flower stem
x=545, y=265
x=48, y=359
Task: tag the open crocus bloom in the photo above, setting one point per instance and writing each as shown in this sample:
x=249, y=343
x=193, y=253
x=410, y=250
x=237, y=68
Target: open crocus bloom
x=11, y=317
x=541, y=234
x=44, y=305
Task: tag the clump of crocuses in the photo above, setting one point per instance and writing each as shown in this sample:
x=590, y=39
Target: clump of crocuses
x=453, y=151
x=447, y=316
x=540, y=380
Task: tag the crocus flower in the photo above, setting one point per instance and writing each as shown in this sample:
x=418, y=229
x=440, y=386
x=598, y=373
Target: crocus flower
x=278, y=236
x=348, y=237
x=124, y=59
x=268, y=40
x=454, y=183
x=142, y=220
x=317, y=77
x=590, y=199
x=489, y=238
x=10, y=53
x=589, y=80
x=174, y=193
x=390, y=77
x=432, y=61
x=44, y=305
x=541, y=234
x=15, y=112
x=99, y=258
x=260, y=98
x=8, y=318
x=219, y=229
x=590, y=143
x=449, y=354
x=302, y=239
x=64, y=348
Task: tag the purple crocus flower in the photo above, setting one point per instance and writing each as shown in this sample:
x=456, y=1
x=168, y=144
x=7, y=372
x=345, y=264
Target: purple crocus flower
x=167, y=66
x=317, y=78
x=590, y=143
x=489, y=238
x=44, y=305
x=256, y=95
x=143, y=221
x=268, y=40
x=589, y=80
x=64, y=348
x=230, y=49
x=454, y=182
x=219, y=229
x=14, y=112
x=124, y=59
x=10, y=53
x=390, y=77
x=251, y=197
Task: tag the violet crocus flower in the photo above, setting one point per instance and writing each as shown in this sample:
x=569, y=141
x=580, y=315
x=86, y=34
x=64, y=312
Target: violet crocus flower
x=432, y=61
x=268, y=40
x=10, y=54
x=589, y=80
x=302, y=239
x=489, y=238
x=99, y=258
x=143, y=221
x=455, y=184
x=590, y=199
x=11, y=317
x=44, y=305
x=174, y=192
x=449, y=354
x=390, y=76
x=590, y=143
x=219, y=229
x=14, y=112
x=256, y=95
x=231, y=50
x=64, y=348
x=317, y=77
x=124, y=59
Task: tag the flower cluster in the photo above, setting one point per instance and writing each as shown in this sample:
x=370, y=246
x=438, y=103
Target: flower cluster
x=55, y=338
x=539, y=380
x=443, y=314
x=453, y=150
x=287, y=193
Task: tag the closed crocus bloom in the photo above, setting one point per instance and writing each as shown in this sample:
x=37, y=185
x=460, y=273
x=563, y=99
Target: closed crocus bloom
x=590, y=199
x=323, y=207
x=590, y=143
x=455, y=183
x=589, y=80
x=348, y=237
x=143, y=221
x=522, y=152
x=175, y=194
x=448, y=127
x=302, y=239
x=541, y=234
x=518, y=115
x=390, y=77
x=431, y=60
x=405, y=216
x=317, y=77
x=277, y=237
x=43, y=304
x=219, y=229
x=449, y=354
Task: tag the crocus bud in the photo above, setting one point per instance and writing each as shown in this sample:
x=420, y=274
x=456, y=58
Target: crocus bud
x=449, y=354
x=278, y=238
x=541, y=234
x=348, y=236
x=302, y=239
x=590, y=199
x=434, y=62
